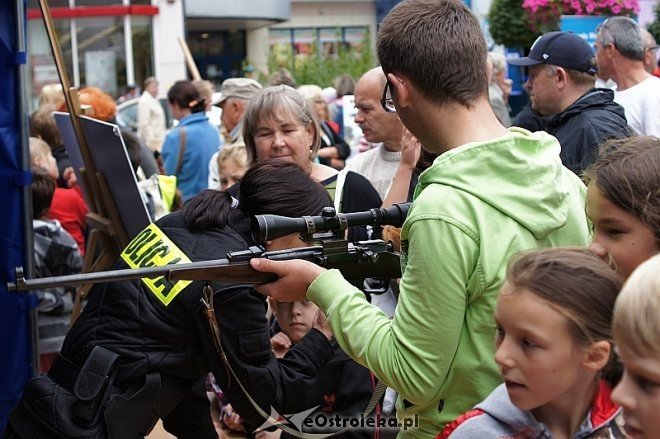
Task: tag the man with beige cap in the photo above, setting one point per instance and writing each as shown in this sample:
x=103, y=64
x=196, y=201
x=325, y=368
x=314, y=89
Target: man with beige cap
x=235, y=96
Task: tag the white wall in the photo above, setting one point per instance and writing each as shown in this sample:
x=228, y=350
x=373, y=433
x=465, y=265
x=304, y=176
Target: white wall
x=169, y=62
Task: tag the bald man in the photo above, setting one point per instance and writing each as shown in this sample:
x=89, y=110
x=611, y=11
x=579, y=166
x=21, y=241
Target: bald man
x=379, y=164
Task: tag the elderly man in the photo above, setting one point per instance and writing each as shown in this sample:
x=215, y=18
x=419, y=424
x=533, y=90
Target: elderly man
x=378, y=164
x=151, y=116
x=620, y=52
x=235, y=97
x=562, y=77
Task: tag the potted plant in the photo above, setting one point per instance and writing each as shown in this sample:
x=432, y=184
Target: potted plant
x=507, y=23
x=544, y=15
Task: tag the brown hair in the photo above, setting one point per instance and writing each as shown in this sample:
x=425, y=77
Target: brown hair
x=627, y=173
x=636, y=323
x=42, y=125
x=270, y=102
x=582, y=78
x=43, y=189
x=439, y=46
x=186, y=95
x=577, y=284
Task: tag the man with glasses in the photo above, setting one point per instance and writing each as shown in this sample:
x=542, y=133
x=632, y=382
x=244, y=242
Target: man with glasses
x=620, y=51
x=490, y=193
x=379, y=164
x=561, y=86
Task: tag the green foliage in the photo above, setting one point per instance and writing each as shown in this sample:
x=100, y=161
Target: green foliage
x=654, y=27
x=321, y=69
x=508, y=24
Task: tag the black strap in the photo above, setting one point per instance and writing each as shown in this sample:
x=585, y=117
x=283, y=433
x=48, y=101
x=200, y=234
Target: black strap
x=182, y=151
x=209, y=312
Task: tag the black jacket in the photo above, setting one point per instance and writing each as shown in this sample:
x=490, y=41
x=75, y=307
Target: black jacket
x=587, y=123
x=165, y=350
x=342, y=391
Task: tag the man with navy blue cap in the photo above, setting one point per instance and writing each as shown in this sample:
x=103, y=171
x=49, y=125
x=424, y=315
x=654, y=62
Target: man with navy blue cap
x=561, y=86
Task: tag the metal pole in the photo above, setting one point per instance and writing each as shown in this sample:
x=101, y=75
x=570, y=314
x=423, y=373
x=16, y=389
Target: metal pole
x=25, y=166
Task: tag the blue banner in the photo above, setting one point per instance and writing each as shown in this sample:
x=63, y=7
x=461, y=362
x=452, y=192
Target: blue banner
x=583, y=25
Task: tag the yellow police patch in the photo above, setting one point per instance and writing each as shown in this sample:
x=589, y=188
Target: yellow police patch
x=152, y=248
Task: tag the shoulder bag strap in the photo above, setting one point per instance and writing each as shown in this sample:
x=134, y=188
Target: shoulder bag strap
x=182, y=151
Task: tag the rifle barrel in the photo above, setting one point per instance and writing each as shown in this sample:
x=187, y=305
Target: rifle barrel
x=22, y=284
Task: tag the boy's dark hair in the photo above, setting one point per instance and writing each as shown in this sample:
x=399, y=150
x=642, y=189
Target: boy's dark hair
x=282, y=188
x=43, y=189
x=186, y=95
x=43, y=126
x=438, y=45
x=627, y=173
x=579, y=285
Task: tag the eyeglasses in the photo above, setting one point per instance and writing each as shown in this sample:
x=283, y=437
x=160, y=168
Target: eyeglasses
x=386, y=101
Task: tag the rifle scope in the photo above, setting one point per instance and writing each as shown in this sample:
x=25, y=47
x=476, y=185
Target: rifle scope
x=267, y=227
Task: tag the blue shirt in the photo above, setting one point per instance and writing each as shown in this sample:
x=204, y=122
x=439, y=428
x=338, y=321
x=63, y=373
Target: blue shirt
x=202, y=141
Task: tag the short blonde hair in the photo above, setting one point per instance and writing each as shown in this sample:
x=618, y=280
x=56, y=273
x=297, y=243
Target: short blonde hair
x=236, y=152
x=51, y=94
x=636, y=323
x=38, y=148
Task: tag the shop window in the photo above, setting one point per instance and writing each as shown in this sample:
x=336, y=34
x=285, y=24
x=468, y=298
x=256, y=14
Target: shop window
x=102, y=53
x=41, y=63
x=327, y=41
x=97, y=2
x=142, y=35
x=51, y=4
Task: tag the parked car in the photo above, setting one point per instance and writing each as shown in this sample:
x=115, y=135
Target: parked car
x=127, y=113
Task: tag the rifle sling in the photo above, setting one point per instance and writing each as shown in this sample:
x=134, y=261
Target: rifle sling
x=209, y=312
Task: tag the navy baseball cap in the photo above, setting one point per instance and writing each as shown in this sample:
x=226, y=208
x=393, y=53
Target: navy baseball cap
x=563, y=49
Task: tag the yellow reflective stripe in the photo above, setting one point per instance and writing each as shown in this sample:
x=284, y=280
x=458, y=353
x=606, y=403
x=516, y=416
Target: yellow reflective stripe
x=167, y=186
x=152, y=248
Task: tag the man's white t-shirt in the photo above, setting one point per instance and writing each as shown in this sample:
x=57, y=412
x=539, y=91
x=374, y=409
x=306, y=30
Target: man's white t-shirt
x=642, y=105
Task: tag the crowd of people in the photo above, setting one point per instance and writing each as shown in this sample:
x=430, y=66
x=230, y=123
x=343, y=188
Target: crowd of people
x=529, y=300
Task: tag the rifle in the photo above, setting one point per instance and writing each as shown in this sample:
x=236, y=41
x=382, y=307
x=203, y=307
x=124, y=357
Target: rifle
x=363, y=259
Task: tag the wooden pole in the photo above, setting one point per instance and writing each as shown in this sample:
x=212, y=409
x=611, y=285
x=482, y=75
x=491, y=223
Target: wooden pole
x=190, y=62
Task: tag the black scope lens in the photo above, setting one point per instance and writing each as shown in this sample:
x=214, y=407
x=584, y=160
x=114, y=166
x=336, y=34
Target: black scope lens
x=267, y=227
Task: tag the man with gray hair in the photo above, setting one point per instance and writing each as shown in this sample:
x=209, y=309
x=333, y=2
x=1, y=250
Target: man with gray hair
x=499, y=88
x=235, y=97
x=620, y=51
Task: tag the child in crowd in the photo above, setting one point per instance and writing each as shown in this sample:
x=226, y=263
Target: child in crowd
x=44, y=127
x=343, y=386
x=68, y=206
x=55, y=254
x=554, y=352
x=232, y=163
x=623, y=202
x=636, y=328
